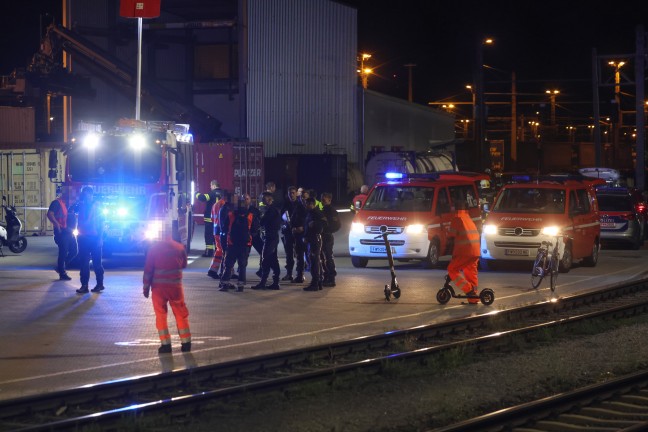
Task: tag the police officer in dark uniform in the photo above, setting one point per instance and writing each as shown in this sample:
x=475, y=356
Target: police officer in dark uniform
x=287, y=237
x=314, y=225
x=297, y=221
x=209, y=199
x=333, y=225
x=270, y=187
x=270, y=224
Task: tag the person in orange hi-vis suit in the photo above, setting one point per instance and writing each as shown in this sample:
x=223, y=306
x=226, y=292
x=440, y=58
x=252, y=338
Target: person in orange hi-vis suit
x=217, y=259
x=163, y=277
x=465, y=254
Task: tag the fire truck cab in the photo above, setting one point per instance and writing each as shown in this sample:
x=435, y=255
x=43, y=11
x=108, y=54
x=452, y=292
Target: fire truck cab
x=140, y=173
x=417, y=210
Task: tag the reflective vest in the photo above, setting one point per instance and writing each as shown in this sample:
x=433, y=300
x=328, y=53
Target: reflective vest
x=61, y=214
x=466, y=235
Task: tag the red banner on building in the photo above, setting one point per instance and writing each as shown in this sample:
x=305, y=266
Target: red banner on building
x=139, y=8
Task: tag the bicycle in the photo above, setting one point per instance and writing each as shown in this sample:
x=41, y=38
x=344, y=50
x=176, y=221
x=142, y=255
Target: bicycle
x=547, y=262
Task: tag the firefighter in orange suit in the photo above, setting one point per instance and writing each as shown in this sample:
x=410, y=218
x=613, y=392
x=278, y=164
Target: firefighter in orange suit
x=163, y=276
x=465, y=254
x=217, y=259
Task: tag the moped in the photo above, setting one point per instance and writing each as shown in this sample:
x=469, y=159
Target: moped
x=10, y=232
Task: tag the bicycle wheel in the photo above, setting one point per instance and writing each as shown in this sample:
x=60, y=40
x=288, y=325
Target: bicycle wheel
x=553, y=263
x=537, y=272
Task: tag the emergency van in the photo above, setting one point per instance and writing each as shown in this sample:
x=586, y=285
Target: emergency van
x=417, y=210
x=551, y=208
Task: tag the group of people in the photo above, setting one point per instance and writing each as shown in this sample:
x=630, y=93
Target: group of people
x=304, y=224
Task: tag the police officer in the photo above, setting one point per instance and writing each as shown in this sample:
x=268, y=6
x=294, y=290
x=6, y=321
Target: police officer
x=209, y=199
x=466, y=253
x=223, y=228
x=271, y=224
x=91, y=230
x=297, y=220
x=287, y=237
x=239, y=241
x=332, y=225
x=314, y=225
x=269, y=187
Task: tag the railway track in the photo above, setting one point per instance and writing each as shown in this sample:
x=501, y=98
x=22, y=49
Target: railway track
x=179, y=393
x=617, y=405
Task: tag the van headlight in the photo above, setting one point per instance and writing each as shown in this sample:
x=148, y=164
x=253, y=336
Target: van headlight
x=153, y=231
x=414, y=229
x=357, y=228
x=489, y=229
x=550, y=231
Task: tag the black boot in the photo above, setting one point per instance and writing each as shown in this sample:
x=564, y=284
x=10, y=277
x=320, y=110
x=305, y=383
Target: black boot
x=261, y=285
x=275, y=284
x=298, y=279
x=315, y=285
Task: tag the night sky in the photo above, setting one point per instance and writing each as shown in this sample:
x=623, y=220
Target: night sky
x=547, y=43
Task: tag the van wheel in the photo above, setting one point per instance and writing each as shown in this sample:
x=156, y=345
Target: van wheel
x=359, y=262
x=432, y=260
x=591, y=260
x=566, y=261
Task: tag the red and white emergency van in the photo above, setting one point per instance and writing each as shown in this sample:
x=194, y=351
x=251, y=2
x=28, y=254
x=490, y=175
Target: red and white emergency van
x=550, y=208
x=417, y=210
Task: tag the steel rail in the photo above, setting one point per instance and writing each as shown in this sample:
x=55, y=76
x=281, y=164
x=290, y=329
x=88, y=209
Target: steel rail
x=129, y=388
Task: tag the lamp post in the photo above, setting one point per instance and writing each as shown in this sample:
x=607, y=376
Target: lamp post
x=617, y=99
x=480, y=105
x=552, y=98
x=409, y=66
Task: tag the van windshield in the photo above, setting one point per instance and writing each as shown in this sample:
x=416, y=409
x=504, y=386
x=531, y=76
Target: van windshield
x=400, y=198
x=531, y=200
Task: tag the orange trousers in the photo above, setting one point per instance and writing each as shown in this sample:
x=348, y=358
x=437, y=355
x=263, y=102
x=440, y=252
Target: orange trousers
x=218, y=255
x=468, y=266
x=170, y=295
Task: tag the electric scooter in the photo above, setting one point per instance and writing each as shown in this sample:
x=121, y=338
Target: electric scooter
x=392, y=288
x=486, y=296
x=10, y=233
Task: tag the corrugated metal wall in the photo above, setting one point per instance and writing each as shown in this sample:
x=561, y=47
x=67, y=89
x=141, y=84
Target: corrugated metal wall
x=302, y=76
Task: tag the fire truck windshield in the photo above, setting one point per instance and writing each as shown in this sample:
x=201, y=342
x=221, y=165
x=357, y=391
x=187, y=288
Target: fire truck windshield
x=114, y=160
x=400, y=198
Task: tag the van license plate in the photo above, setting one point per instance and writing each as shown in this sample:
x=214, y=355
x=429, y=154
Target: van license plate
x=380, y=249
x=517, y=252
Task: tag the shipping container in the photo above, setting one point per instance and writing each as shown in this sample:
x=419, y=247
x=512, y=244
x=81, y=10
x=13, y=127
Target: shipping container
x=24, y=181
x=17, y=125
x=237, y=166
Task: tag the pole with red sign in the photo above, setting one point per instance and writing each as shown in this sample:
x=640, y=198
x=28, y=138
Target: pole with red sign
x=139, y=9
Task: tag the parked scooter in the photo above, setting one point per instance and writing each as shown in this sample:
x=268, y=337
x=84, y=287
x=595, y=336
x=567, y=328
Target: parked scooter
x=10, y=232
x=392, y=288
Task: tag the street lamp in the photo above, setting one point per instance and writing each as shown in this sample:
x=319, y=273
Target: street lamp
x=552, y=97
x=363, y=71
x=480, y=105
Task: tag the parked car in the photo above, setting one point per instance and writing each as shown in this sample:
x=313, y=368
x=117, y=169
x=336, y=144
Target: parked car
x=623, y=216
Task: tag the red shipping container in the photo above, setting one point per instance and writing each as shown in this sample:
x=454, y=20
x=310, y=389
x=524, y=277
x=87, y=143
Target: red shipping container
x=237, y=166
x=139, y=8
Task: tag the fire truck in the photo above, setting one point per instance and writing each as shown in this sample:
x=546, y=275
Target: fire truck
x=141, y=175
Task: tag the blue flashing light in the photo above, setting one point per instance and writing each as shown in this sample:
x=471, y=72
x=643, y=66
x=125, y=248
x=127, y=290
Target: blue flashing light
x=394, y=175
x=521, y=178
